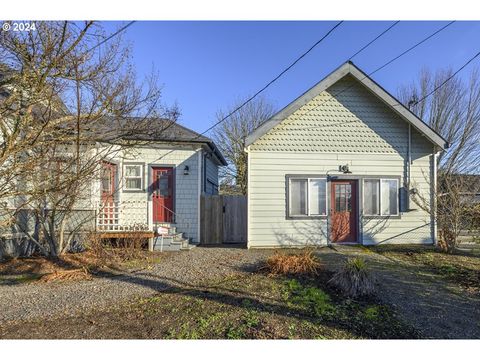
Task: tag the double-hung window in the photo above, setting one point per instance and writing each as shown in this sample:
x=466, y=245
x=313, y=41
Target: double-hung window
x=380, y=197
x=307, y=196
x=133, y=174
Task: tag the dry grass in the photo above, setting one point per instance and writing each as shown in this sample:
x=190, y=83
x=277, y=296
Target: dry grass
x=111, y=253
x=67, y=275
x=305, y=263
x=79, y=266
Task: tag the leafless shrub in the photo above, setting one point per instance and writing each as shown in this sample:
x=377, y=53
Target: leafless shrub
x=67, y=275
x=453, y=110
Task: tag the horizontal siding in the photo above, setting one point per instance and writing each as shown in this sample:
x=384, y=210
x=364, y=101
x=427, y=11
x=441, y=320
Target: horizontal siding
x=269, y=227
x=353, y=128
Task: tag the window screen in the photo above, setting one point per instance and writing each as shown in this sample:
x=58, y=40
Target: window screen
x=298, y=197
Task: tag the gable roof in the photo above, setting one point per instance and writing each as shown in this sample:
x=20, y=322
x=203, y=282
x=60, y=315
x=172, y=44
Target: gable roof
x=349, y=69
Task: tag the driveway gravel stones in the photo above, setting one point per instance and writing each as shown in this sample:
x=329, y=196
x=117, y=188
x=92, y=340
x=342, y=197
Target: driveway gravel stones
x=438, y=309
x=175, y=270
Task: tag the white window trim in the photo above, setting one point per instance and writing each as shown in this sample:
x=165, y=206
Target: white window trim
x=380, y=196
x=307, y=194
x=125, y=177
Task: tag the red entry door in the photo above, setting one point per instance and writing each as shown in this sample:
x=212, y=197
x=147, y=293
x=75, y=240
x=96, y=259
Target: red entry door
x=107, y=184
x=162, y=194
x=344, y=211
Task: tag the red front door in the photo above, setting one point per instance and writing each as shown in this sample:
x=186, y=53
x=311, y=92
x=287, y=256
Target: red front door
x=162, y=194
x=344, y=211
x=107, y=184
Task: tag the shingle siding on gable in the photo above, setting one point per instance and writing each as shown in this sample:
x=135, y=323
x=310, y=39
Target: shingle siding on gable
x=349, y=122
x=353, y=128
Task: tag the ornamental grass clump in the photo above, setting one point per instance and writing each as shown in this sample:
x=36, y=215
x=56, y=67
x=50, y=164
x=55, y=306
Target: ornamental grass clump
x=305, y=263
x=354, y=279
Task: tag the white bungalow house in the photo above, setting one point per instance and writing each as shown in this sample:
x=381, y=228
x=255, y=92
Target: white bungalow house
x=158, y=184
x=150, y=189
x=344, y=163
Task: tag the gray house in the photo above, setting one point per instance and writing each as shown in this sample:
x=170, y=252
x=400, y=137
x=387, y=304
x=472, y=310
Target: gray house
x=343, y=163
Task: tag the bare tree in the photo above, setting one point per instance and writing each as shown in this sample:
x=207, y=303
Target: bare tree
x=69, y=100
x=230, y=137
x=453, y=110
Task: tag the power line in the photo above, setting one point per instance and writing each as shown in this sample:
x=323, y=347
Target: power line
x=264, y=88
x=375, y=39
x=272, y=81
x=413, y=47
x=358, y=52
x=448, y=79
x=382, y=66
x=289, y=67
x=123, y=28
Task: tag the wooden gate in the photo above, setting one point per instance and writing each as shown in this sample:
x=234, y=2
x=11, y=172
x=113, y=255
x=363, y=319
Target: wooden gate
x=223, y=219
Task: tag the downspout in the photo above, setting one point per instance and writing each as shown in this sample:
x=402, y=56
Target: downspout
x=247, y=150
x=199, y=195
x=434, y=198
x=409, y=162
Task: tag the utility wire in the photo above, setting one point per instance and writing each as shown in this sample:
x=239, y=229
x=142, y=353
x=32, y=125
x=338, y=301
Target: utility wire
x=272, y=81
x=264, y=88
x=123, y=28
x=448, y=79
x=413, y=47
x=382, y=66
x=375, y=39
x=290, y=66
x=358, y=52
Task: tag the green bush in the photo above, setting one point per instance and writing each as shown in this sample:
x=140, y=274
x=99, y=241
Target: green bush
x=354, y=279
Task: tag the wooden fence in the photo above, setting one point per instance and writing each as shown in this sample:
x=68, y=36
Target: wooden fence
x=223, y=219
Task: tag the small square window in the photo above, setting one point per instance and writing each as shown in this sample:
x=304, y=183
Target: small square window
x=133, y=174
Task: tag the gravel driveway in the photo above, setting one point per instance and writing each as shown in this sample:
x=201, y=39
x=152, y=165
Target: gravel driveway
x=177, y=269
x=436, y=308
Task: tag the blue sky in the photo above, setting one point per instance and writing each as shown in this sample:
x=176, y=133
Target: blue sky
x=207, y=66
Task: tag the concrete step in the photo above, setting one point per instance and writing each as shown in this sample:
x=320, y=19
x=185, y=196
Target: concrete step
x=187, y=246
x=172, y=242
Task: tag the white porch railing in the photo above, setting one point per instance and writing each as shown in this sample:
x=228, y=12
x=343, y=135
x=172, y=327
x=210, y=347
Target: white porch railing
x=128, y=215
